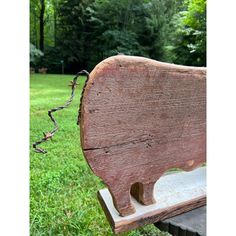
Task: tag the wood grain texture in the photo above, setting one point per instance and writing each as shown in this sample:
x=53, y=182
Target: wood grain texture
x=139, y=118
x=175, y=193
x=153, y=216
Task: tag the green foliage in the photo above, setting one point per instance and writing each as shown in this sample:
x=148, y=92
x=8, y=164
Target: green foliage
x=49, y=24
x=62, y=187
x=129, y=27
x=190, y=34
x=84, y=32
x=117, y=23
x=120, y=42
x=35, y=54
x=157, y=27
x=51, y=60
x=72, y=40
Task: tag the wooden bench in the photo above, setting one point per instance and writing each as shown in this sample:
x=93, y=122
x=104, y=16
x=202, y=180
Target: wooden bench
x=43, y=70
x=139, y=119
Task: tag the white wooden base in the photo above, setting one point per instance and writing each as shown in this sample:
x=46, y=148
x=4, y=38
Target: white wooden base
x=174, y=193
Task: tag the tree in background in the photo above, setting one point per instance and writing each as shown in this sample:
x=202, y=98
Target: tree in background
x=34, y=21
x=43, y=19
x=116, y=27
x=84, y=32
x=160, y=13
x=35, y=54
x=72, y=31
x=189, y=38
x=41, y=25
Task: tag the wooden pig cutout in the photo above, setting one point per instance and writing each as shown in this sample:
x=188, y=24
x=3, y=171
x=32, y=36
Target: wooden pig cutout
x=139, y=118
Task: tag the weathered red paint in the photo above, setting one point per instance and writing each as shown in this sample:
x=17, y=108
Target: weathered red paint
x=139, y=118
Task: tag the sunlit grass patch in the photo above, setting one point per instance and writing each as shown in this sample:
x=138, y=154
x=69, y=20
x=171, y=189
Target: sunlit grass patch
x=62, y=187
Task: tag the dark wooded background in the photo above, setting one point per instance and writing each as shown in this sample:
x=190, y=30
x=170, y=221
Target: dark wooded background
x=81, y=33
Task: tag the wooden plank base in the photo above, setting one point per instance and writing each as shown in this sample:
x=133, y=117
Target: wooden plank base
x=174, y=193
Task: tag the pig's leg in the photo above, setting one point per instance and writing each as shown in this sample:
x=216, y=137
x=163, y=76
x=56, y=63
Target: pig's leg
x=143, y=192
x=148, y=193
x=121, y=199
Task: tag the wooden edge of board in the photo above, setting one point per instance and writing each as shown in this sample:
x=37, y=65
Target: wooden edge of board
x=106, y=211
x=175, y=193
x=152, y=217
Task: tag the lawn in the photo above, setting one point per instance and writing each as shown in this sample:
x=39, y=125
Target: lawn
x=62, y=187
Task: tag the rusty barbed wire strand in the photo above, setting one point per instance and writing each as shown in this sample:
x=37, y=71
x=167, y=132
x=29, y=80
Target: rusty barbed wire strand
x=49, y=135
x=81, y=98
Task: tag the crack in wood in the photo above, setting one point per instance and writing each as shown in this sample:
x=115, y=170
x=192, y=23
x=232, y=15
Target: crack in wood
x=118, y=145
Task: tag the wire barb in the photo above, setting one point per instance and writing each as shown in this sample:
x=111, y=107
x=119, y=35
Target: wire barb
x=47, y=136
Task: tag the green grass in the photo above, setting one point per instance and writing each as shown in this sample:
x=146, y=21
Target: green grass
x=62, y=187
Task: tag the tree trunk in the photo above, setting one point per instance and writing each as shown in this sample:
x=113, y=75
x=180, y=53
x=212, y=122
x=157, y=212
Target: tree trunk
x=41, y=26
x=55, y=22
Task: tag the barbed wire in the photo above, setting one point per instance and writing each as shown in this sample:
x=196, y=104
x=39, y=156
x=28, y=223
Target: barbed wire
x=50, y=134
